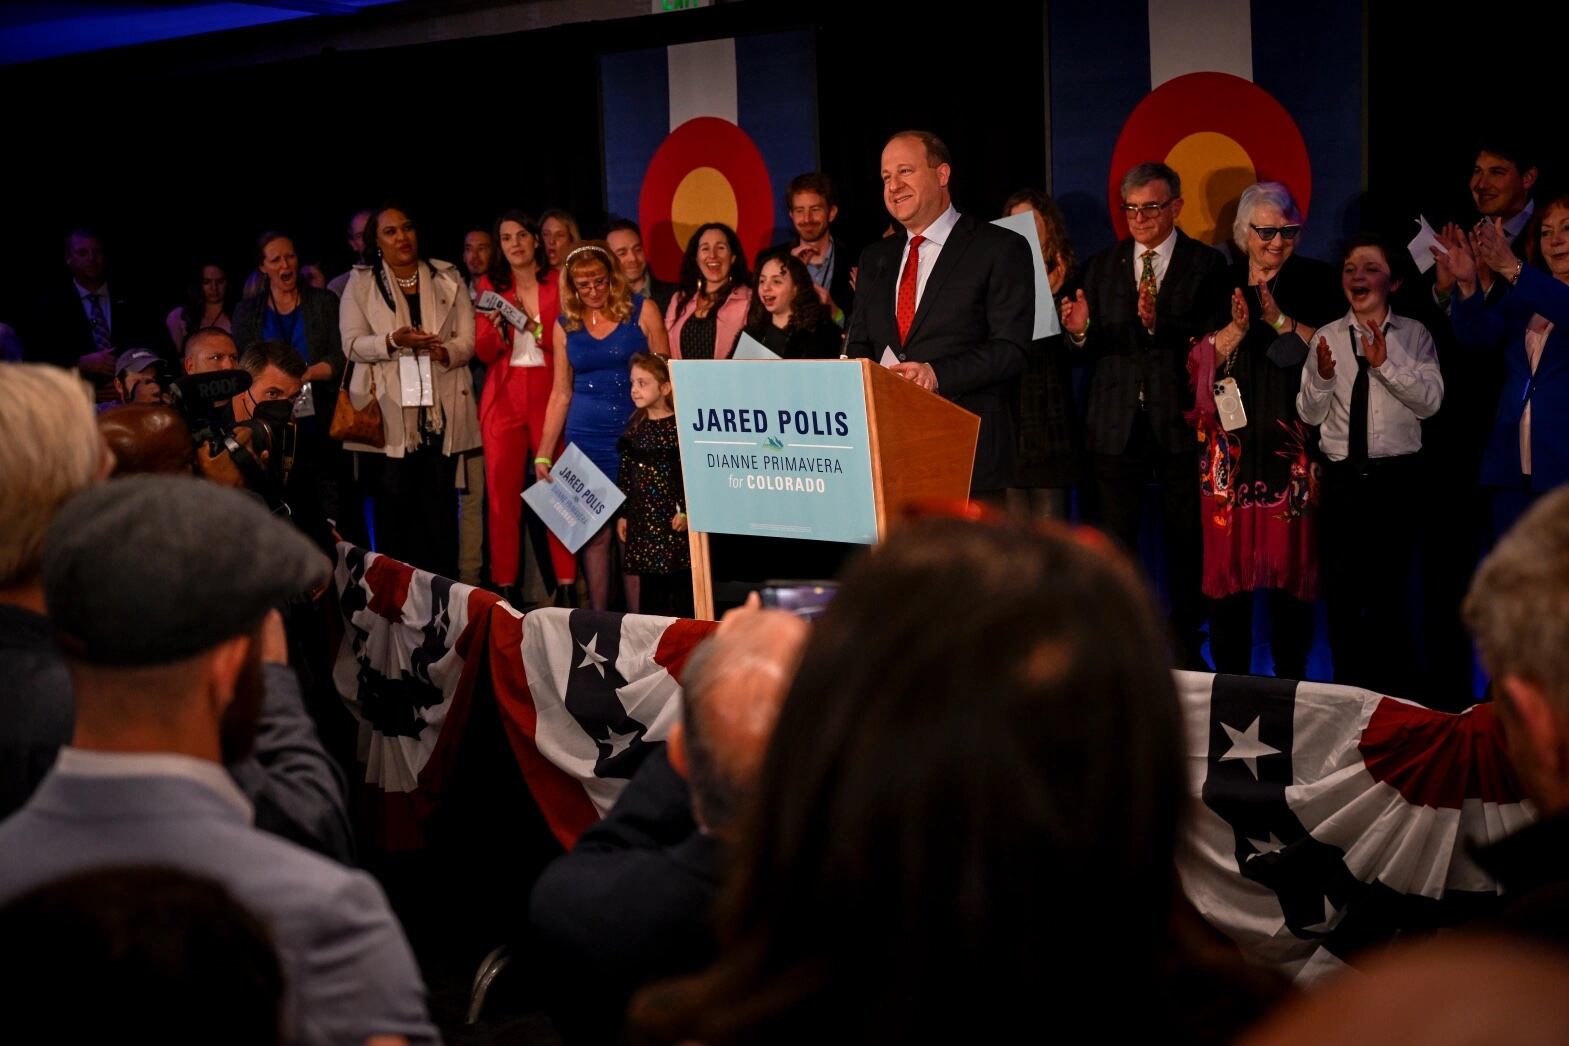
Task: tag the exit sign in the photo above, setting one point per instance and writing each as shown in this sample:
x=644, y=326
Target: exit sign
x=661, y=6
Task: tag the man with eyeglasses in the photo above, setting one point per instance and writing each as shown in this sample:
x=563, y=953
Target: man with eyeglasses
x=1143, y=303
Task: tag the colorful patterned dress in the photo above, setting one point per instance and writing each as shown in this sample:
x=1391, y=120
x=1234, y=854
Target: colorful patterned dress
x=651, y=480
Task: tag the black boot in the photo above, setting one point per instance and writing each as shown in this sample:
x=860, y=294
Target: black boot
x=566, y=596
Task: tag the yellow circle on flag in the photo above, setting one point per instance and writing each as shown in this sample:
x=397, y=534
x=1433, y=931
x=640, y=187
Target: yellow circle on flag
x=1214, y=170
x=703, y=196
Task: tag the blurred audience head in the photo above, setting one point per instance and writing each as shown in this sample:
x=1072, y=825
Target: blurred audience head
x=356, y=234
x=1518, y=613
x=1503, y=175
x=84, y=257
x=626, y=243
x=138, y=377
x=50, y=448
x=1454, y=991
x=963, y=787
x=560, y=232
x=1056, y=249
x=518, y=244
x=119, y=953
x=478, y=248
x=210, y=349
x=732, y=687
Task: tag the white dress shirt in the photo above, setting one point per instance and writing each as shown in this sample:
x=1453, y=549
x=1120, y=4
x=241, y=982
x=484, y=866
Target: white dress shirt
x=1405, y=389
x=81, y=762
x=936, y=234
x=1162, y=259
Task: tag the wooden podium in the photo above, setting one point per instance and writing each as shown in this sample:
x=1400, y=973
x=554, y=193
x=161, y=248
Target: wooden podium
x=921, y=447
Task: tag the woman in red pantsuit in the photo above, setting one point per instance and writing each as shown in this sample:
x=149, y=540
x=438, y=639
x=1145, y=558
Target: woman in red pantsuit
x=514, y=344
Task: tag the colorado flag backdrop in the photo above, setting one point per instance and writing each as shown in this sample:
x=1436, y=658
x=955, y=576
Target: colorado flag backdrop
x=711, y=131
x=1228, y=92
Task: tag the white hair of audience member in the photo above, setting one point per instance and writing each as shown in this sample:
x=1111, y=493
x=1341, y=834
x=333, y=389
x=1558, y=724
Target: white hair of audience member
x=1518, y=605
x=1268, y=194
x=50, y=448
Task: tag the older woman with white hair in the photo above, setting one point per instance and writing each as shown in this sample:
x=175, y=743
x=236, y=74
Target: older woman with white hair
x=1259, y=471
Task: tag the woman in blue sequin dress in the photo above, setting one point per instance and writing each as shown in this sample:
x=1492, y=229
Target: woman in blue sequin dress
x=602, y=326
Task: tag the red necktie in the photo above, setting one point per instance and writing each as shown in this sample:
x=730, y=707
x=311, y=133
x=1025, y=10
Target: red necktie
x=904, y=311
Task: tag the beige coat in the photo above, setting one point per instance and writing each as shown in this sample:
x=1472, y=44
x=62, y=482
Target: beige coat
x=445, y=308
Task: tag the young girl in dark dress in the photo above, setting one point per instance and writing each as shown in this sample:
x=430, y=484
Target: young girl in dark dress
x=653, y=521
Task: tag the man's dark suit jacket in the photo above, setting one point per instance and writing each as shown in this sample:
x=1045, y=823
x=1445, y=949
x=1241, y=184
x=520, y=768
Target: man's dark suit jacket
x=60, y=334
x=629, y=905
x=1193, y=300
x=973, y=327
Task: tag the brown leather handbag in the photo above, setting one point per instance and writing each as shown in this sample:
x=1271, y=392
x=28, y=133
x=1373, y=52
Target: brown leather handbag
x=357, y=424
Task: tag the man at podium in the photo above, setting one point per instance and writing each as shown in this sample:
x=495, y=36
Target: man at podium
x=952, y=298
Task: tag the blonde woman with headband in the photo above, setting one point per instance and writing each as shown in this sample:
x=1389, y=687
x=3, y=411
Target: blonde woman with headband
x=601, y=327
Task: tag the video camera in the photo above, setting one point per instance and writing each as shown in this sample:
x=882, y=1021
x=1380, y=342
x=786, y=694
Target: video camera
x=257, y=453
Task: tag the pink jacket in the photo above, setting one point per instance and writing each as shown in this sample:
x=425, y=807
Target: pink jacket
x=728, y=325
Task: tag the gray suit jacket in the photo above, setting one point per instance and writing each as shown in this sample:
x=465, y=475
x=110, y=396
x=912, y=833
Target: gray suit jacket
x=349, y=969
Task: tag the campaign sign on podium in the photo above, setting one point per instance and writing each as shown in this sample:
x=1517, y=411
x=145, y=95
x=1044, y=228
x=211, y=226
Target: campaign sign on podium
x=786, y=457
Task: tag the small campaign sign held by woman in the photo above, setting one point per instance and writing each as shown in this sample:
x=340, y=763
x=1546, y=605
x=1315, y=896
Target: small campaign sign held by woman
x=578, y=500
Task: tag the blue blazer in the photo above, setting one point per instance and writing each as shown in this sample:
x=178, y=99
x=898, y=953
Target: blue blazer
x=1479, y=323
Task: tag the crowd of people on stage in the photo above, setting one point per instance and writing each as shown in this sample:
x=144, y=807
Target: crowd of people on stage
x=909, y=820
x=1247, y=410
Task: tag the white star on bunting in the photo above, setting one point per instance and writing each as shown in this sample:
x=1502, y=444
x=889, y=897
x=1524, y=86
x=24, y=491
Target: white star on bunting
x=618, y=742
x=591, y=656
x=1266, y=846
x=1246, y=746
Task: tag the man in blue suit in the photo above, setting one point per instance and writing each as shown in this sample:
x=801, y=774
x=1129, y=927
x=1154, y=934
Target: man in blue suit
x=162, y=630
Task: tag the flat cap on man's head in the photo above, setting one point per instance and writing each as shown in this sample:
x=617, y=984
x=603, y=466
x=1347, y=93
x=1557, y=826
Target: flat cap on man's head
x=150, y=570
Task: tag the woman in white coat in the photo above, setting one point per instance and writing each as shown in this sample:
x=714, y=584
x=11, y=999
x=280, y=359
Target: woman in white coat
x=408, y=326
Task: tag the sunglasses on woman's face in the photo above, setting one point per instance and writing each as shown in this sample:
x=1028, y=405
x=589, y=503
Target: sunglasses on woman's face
x=1287, y=232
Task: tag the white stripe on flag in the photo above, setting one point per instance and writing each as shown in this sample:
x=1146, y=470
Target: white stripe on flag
x=702, y=81
x=1190, y=36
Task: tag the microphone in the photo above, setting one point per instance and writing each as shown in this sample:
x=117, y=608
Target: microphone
x=213, y=386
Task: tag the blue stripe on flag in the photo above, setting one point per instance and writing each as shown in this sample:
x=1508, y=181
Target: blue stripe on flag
x=1100, y=70
x=776, y=103
x=1313, y=67
x=636, y=88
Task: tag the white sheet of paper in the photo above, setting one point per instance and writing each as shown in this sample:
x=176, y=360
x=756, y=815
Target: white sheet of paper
x=1425, y=238
x=414, y=376
x=1046, y=321
x=749, y=348
x=889, y=359
x=525, y=350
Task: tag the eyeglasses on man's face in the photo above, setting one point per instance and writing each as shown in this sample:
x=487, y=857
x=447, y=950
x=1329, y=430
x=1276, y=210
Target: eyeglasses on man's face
x=1144, y=210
